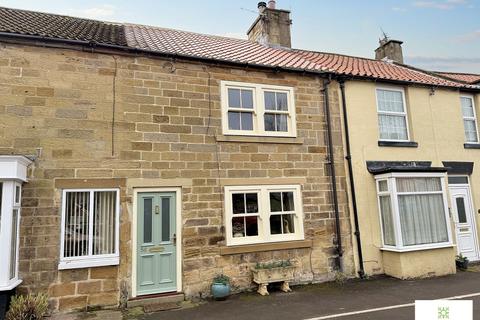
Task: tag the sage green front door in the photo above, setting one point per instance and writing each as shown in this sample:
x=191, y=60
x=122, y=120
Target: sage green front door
x=156, y=243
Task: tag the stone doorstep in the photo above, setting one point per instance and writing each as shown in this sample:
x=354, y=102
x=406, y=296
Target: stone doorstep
x=149, y=300
x=155, y=307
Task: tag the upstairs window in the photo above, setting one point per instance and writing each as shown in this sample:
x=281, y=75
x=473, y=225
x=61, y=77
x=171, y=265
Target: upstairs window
x=392, y=115
x=469, y=119
x=90, y=220
x=257, y=110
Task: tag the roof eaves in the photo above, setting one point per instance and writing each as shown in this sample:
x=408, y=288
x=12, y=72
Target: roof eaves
x=93, y=44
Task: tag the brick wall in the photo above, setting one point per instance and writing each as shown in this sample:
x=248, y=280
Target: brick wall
x=58, y=103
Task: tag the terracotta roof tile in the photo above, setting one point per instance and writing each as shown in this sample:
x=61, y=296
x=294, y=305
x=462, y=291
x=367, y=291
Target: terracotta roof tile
x=244, y=51
x=195, y=45
x=463, y=77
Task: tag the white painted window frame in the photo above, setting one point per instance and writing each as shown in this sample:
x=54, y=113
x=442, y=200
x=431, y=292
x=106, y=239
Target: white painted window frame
x=263, y=221
x=474, y=118
x=13, y=172
x=258, y=109
x=392, y=113
x=392, y=191
x=90, y=260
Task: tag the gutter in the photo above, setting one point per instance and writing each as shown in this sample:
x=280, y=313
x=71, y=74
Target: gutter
x=331, y=156
x=348, y=157
x=92, y=45
x=96, y=47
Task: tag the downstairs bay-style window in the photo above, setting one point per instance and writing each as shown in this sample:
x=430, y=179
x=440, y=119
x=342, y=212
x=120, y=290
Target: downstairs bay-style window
x=260, y=214
x=13, y=171
x=90, y=226
x=413, y=211
x=257, y=109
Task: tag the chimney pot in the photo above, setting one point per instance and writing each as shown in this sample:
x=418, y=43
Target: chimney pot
x=271, y=4
x=262, y=6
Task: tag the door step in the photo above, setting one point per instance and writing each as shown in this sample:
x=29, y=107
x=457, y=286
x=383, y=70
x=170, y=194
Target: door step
x=155, y=307
x=174, y=298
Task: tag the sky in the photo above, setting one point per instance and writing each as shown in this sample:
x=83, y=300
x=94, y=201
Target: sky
x=441, y=35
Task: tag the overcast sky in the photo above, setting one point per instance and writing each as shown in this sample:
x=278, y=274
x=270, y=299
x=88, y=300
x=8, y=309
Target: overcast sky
x=437, y=34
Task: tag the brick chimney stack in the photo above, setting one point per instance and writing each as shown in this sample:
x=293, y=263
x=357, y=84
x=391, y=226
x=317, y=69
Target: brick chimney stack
x=272, y=26
x=389, y=49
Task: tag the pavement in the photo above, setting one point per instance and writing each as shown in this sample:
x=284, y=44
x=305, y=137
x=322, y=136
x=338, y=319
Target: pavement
x=377, y=298
x=331, y=299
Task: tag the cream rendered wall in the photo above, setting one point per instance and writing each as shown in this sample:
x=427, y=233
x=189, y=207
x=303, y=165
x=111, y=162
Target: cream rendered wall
x=435, y=122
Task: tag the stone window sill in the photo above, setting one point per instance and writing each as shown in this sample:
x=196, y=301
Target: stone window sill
x=471, y=145
x=401, y=144
x=260, y=139
x=261, y=247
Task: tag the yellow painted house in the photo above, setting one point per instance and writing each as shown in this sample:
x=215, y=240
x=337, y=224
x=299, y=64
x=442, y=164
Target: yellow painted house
x=415, y=180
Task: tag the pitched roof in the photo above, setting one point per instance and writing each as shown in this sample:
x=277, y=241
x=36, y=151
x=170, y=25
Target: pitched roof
x=463, y=77
x=194, y=45
x=61, y=27
x=244, y=51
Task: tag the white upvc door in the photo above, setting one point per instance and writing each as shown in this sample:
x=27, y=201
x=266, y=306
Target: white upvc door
x=464, y=218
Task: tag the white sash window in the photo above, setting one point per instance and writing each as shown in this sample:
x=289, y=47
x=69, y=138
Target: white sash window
x=392, y=115
x=257, y=109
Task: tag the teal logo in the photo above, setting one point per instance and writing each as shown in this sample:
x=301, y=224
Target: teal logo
x=443, y=313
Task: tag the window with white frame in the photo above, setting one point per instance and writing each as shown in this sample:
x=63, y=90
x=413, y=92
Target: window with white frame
x=413, y=211
x=257, y=109
x=469, y=119
x=90, y=226
x=392, y=114
x=13, y=172
x=258, y=214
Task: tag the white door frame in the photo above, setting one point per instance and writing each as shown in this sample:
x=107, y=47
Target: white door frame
x=473, y=217
x=179, y=224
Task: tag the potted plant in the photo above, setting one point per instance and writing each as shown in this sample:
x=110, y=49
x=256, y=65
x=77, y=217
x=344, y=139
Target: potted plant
x=221, y=287
x=461, y=262
x=276, y=271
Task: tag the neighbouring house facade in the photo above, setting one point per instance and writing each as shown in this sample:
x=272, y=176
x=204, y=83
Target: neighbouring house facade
x=138, y=161
x=415, y=170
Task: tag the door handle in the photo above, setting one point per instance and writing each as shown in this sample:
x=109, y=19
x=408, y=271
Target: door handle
x=174, y=239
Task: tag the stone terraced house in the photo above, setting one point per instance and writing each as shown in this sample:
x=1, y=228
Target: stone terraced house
x=138, y=162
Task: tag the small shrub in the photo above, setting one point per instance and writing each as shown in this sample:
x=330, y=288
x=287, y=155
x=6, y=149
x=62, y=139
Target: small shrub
x=221, y=279
x=274, y=264
x=340, y=278
x=29, y=307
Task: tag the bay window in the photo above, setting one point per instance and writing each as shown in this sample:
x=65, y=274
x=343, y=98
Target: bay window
x=259, y=214
x=413, y=210
x=90, y=225
x=257, y=109
x=13, y=171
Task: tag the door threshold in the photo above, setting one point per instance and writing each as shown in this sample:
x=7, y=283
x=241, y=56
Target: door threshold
x=165, y=297
x=155, y=295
